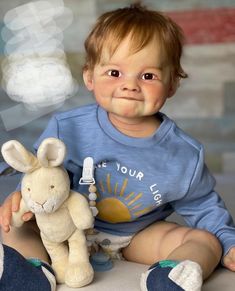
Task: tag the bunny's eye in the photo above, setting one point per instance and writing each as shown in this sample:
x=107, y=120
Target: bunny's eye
x=52, y=186
x=28, y=189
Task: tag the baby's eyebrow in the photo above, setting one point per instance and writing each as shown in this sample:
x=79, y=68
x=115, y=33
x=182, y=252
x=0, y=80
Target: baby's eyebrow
x=155, y=68
x=105, y=64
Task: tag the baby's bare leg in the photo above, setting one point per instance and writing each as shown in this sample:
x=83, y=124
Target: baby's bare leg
x=169, y=241
x=26, y=240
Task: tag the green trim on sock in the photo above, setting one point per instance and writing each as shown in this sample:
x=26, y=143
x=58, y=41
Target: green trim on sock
x=168, y=263
x=35, y=262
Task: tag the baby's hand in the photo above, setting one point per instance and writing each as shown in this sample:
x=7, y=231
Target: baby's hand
x=11, y=204
x=229, y=260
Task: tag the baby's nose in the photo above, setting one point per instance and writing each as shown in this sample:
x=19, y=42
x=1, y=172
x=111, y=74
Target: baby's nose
x=130, y=84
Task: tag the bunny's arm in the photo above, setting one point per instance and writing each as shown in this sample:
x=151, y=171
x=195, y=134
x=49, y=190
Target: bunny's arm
x=16, y=219
x=80, y=211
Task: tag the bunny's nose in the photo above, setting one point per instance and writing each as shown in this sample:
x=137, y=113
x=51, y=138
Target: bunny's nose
x=41, y=204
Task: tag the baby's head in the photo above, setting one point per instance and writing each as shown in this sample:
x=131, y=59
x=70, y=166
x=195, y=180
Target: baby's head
x=142, y=26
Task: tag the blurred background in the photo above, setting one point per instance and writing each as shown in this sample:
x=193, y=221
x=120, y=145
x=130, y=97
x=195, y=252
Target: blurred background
x=204, y=105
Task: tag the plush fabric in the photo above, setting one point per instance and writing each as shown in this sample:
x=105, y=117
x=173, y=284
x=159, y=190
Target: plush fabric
x=62, y=215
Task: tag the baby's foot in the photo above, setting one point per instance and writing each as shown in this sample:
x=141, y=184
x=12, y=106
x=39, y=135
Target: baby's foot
x=172, y=276
x=16, y=273
x=188, y=275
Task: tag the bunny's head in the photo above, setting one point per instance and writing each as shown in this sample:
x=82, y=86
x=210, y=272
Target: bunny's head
x=45, y=185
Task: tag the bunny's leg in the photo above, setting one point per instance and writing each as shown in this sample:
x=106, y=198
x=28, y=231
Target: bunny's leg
x=16, y=273
x=58, y=253
x=80, y=271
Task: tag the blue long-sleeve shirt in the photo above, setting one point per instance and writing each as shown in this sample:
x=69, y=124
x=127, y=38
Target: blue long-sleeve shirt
x=141, y=180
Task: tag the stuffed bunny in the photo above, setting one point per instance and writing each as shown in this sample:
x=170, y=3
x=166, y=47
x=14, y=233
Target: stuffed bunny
x=62, y=215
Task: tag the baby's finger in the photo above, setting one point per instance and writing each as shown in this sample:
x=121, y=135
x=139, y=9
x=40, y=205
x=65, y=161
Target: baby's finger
x=16, y=197
x=6, y=214
x=0, y=215
x=230, y=266
x=6, y=228
x=27, y=216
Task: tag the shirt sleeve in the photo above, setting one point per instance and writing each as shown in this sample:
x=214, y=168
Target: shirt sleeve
x=203, y=208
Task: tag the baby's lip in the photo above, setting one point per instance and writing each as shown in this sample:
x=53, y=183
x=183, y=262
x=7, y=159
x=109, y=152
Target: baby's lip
x=131, y=98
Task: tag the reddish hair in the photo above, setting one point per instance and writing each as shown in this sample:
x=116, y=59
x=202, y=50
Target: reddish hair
x=144, y=26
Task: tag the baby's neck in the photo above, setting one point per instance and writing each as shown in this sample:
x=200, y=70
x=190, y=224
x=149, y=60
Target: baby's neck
x=135, y=127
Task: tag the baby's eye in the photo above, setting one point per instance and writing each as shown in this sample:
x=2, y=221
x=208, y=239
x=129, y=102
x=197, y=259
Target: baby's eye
x=148, y=76
x=114, y=73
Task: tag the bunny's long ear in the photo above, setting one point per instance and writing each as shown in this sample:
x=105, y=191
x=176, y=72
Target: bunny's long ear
x=51, y=152
x=18, y=157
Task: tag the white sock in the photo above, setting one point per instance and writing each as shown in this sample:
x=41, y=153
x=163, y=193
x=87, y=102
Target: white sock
x=188, y=275
x=1, y=260
x=50, y=278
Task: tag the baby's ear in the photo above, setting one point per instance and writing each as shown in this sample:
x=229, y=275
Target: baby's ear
x=174, y=85
x=88, y=79
x=51, y=152
x=18, y=157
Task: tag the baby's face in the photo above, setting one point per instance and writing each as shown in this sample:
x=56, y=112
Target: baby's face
x=130, y=85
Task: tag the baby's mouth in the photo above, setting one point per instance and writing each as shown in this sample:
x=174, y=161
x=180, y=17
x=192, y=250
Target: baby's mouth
x=130, y=98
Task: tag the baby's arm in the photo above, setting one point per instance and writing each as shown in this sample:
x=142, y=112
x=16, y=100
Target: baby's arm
x=203, y=208
x=11, y=204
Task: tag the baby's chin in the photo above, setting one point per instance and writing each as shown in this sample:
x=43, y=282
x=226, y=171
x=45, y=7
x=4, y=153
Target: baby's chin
x=128, y=109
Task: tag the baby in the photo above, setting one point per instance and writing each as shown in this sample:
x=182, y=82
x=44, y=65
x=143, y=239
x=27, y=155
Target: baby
x=146, y=166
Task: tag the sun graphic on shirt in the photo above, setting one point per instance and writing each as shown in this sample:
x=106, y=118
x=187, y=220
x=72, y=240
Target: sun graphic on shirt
x=117, y=205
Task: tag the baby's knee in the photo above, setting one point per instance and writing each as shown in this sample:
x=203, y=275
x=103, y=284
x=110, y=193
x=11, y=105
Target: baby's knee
x=10, y=236
x=208, y=238
x=21, y=238
x=19, y=234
